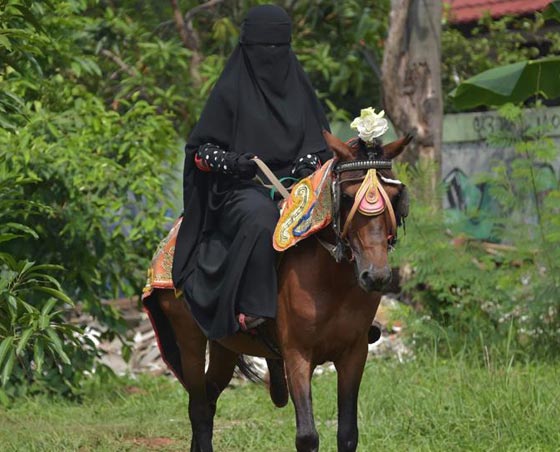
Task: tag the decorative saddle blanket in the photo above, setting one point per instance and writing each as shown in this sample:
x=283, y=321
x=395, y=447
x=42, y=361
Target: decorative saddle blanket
x=307, y=210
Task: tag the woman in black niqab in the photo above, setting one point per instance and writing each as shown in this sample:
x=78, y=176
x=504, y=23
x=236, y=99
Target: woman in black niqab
x=262, y=105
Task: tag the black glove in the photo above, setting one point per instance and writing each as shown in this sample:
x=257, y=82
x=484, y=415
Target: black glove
x=244, y=166
x=305, y=166
x=215, y=159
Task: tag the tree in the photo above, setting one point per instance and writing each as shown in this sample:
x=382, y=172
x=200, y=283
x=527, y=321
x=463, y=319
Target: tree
x=411, y=75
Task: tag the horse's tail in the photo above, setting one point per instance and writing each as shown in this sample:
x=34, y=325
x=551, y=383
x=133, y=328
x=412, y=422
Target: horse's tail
x=249, y=370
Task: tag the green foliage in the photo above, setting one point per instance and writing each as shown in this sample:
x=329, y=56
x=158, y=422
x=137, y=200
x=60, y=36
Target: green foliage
x=96, y=170
x=493, y=42
x=473, y=295
x=552, y=11
x=85, y=185
x=511, y=83
x=95, y=165
x=526, y=193
x=37, y=346
x=340, y=45
x=446, y=280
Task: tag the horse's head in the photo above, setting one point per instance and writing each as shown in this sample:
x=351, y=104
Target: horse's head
x=369, y=204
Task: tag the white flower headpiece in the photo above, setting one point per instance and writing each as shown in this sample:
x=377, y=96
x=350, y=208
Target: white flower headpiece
x=370, y=125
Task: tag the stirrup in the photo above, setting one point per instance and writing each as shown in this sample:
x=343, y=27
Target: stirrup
x=248, y=322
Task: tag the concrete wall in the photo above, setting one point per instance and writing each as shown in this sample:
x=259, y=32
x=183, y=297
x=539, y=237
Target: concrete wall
x=465, y=136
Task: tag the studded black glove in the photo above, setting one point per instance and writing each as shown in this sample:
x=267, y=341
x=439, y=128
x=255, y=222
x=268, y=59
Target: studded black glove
x=212, y=158
x=306, y=166
x=245, y=167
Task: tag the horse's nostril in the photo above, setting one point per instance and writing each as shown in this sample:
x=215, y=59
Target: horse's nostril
x=366, y=281
x=374, y=279
x=387, y=276
x=365, y=276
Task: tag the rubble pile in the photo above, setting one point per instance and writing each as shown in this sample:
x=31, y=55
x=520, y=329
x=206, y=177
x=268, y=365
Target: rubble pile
x=145, y=356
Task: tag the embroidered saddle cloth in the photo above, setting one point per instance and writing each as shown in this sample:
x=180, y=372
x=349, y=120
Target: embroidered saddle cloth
x=307, y=210
x=159, y=272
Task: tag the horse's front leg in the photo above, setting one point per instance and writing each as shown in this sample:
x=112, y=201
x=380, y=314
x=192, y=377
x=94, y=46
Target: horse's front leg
x=298, y=373
x=350, y=368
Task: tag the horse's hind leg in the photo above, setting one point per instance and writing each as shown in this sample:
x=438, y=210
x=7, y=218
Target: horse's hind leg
x=192, y=347
x=350, y=368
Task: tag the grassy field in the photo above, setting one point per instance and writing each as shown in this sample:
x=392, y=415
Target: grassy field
x=421, y=405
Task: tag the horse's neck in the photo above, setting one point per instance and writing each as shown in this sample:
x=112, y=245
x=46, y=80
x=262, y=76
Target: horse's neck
x=315, y=287
x=326, y=241
x=313, y=262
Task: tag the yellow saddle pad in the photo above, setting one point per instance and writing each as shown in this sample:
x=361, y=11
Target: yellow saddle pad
x=307, y=210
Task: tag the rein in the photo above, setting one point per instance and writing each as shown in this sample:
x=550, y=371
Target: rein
x=272, y=178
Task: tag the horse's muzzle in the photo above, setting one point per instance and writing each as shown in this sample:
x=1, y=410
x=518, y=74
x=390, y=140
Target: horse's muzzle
x=374, y=279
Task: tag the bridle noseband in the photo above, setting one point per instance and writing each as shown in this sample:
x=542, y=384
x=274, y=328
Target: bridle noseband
x=371, y=199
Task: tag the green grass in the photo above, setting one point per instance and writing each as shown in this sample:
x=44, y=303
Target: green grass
x=420, y=406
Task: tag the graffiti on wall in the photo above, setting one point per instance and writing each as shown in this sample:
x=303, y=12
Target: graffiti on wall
x=487, y=124
x=474, y=208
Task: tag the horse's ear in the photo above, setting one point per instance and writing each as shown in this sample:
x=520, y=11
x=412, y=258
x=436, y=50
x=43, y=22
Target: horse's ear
x=394, y=149
x=340, y=149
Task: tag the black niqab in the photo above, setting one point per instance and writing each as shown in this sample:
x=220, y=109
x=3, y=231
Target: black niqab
x=263, y=103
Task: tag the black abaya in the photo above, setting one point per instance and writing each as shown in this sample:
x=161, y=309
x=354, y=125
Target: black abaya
x=235, y=270
x=262, y=104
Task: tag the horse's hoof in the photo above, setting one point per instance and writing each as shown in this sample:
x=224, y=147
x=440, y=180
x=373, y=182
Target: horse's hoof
x=277, y=385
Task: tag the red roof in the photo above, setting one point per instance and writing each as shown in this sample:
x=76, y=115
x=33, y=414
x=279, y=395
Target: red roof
x=469, y=10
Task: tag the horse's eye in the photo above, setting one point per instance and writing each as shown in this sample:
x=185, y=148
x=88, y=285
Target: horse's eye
x=347, y=198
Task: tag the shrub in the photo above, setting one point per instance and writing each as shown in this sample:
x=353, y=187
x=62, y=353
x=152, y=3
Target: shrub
x=37, y=345
x=471, y=295
x=82, y=182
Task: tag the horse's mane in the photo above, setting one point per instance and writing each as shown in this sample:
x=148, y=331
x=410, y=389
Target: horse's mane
x=375, y=151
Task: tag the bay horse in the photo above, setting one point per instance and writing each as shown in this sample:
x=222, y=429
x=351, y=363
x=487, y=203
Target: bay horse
x=325, y=309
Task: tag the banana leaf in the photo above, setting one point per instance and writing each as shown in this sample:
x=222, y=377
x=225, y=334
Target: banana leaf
x=512, y=83
x=552, y=11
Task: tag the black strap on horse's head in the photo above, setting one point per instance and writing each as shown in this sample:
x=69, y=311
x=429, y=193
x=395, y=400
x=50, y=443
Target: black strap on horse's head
x=373, y=163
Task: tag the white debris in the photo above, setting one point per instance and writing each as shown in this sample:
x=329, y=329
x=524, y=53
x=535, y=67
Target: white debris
x=146, y=358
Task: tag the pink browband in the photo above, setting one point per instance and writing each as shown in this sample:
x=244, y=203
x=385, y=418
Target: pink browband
x=371, y=200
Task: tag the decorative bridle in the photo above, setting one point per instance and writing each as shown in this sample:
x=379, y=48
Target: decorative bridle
x=370, y=200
